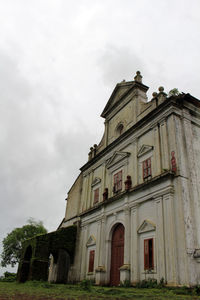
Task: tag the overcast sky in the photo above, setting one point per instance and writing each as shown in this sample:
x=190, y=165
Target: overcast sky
x=59, y=62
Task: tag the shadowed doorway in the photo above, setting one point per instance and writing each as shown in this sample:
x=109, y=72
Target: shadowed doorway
x=117, y=254
x=26, y=264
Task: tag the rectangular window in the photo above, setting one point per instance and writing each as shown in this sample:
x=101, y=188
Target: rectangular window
x=148, y=254
x=96, y=195
x=117, y=182
x=146, y=168
x=91, y=261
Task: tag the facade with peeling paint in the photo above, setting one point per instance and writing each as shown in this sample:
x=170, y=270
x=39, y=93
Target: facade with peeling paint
x=137, y=201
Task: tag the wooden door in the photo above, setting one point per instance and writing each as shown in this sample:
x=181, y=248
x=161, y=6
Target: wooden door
x=117, y=254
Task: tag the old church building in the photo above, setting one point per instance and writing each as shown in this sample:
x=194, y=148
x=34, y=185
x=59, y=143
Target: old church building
x=137, y=198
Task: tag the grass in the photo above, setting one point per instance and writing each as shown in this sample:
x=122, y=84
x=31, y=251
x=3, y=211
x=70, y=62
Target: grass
x=43, y=290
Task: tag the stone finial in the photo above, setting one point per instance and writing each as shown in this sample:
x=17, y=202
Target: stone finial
x=95, y=149
x=138, y=77
x=91, y=153
x=154, y=94
x=161, y=89
x=161, y=95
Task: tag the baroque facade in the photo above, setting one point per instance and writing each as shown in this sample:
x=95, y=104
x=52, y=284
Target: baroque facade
x=137, y=199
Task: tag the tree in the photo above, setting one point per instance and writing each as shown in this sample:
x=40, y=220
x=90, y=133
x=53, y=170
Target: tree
x=12, y=243
x=174, y=92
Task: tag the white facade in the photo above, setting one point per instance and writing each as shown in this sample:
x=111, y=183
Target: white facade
x=157, y=143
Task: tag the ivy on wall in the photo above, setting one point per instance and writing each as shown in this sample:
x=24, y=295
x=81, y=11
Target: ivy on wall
x=34, y=261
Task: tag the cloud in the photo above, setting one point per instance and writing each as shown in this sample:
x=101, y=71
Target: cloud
x=118, y=63
x=59, y=62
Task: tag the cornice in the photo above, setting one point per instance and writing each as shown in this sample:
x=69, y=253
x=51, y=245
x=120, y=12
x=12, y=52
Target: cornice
x=121, y=195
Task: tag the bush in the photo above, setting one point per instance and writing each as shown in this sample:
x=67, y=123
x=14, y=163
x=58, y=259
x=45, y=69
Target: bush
x=86, y=285
x=125, y=283
x=9, y=277
x=148, y=284
x=197, y=289
x=162, y=282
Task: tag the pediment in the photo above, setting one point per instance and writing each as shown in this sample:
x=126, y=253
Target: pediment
x=116, y=157
x=96, y=181
x=146, y=226
x=117, y=94
x=91, y=241
x=144, y=149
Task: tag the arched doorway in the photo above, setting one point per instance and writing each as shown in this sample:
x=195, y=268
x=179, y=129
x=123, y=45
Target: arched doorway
x=59, y=266
x=117, y=254
x=26, y=264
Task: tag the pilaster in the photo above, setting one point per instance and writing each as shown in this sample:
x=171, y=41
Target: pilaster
x=100, y=270
x=84, y=252
x=161, y=267
x=125, y=269
x=134, y=245
x=135, y=163
x=192, y=175
x=157, y=154
x=164, y=146
x=170, y=242
x=89, y=192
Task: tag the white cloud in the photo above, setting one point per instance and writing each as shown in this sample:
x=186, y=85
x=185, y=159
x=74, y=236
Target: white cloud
x=59, y=61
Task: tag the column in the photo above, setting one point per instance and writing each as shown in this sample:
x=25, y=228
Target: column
x=157, y=155
x=125, y=269
x=134, y=259
x=89, y=191
x=127, y=236
x=100, y=270
x=135, y=164
x=170, y=242
x=84, y=193
x=106, y=132
x=83, y=257
x=103, y=181
x=192, y=173
x=164, y=146
x=160, y=243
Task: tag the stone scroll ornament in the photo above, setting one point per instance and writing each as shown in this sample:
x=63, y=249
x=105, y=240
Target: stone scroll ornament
x=173, y=162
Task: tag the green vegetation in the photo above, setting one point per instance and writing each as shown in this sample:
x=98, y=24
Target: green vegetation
x=37, y=250
x=86, y=285
x=12, y=243
x=8, y=277
x=174, y=92
x=40, y=290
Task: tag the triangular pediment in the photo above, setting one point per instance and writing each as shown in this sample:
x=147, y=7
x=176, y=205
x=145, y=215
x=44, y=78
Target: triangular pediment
x=146, y=226
x=91, y=241
x=117, y=94
x=96, y=181
x=116, y=157
x=144, y=149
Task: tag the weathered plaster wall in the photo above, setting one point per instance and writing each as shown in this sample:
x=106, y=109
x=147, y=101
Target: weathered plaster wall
x=74, y=198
